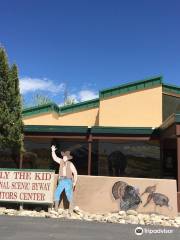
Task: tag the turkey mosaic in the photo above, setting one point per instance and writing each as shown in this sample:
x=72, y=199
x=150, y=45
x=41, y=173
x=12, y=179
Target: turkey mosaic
x=130, y=197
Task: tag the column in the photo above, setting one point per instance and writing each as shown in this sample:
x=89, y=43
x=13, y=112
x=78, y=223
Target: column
x=162, y=158
x=178, y=173
x=178, y=163
x=89, y=154
x=20, y=160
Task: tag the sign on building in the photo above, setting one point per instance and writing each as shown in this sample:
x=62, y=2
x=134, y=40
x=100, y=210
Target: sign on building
x=28, y=186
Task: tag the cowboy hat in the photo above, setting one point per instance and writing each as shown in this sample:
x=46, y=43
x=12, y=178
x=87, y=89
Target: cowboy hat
x=67, y=154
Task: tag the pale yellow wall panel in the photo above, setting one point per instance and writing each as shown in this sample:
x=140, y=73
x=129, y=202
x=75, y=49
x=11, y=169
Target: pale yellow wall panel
x=41, y=119
x=138, y=109
x=83, y=118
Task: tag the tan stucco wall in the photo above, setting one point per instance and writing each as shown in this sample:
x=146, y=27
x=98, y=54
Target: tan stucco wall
x=41, y=119
x=137, y=109
x=83, y=118
x=94, y=194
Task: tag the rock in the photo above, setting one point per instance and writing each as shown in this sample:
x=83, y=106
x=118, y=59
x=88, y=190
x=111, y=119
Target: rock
x=141, y=222
x=53, y=212
x=175, y=225
x=177, y=220
x=75, y=217
x=60, y=210
x=171, y=221
x=41, y=214
x=132, y=219
x=166, y=218
x=54, y=216
x=122, y=221
x=121, y=217
x=25, y=213
x=156, y=219
x=76, y=209
x=122, y=213
x=113, y=219
x=104, y=219
x=132, y=212
x=146, y=217
x=47, y=215
x=140, y=216
x=94, y=217
x=166, y=224
x=87, y=219
x=65, y=214
x=2, y=209
x=10, y=211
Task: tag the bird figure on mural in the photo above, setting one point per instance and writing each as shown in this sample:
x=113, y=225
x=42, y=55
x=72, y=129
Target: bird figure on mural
x=159, y=199
x=150, y=189
x=128, y=195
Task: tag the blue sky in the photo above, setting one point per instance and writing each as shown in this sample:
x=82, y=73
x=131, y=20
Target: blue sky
x=90, y=45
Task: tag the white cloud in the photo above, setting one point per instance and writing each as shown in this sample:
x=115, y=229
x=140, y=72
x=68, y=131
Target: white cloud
x=28, y=84
x=85, y=95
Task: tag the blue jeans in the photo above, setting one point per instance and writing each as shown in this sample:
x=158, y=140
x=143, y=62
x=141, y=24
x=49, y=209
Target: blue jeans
x=67, y=185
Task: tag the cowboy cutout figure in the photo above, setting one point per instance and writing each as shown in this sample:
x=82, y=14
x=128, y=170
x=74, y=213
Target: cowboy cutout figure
x=67, y=176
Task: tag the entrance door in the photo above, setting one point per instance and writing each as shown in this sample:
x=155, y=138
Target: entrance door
x=170, y=163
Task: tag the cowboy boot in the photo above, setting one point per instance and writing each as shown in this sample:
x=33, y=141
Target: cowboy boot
x=56, y=205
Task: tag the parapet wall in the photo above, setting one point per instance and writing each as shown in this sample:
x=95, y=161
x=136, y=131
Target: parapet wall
x=96, y=194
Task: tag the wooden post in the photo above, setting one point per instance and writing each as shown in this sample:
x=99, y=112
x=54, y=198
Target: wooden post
x=50, y=207
x=21, y=207
x=20, y=166
x=20, y=160
x=178, y=172
x=89, y=154
x=178, y=163
x=161, y=158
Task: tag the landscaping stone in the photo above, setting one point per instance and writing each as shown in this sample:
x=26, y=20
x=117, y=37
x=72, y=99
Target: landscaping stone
x=132, y=212
x=122, y=213
x=121, y=217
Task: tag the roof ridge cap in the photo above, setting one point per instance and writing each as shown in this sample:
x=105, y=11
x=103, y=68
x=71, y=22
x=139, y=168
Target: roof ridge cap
x=134, y=82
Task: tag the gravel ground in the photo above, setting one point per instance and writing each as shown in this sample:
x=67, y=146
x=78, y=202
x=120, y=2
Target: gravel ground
x=121, y=217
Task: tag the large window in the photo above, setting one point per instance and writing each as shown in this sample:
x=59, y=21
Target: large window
x=79, y=151
x=38, y=153
x=170, y=158
x=127, y=158
x=171, y=105
x=9, y=158
x=122, y=158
